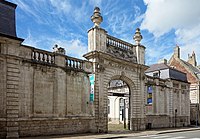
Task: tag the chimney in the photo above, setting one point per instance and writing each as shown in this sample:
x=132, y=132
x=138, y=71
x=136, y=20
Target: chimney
x=177, y=52
x=7, y=18
x=192, y=59
x=164, y=61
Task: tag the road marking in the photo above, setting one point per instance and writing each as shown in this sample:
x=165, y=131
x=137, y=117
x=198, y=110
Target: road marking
x=165, y=137
x=159, y=137
x=147, y=136
x=176, y=138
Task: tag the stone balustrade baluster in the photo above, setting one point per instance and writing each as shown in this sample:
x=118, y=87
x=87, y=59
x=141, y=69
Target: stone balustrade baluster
x=43, y=57
x=70, y=63
x=47, y=58
x=34, y=55
x=39, y=57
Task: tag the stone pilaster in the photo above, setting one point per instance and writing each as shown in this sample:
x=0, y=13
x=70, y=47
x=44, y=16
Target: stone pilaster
x=12, y=98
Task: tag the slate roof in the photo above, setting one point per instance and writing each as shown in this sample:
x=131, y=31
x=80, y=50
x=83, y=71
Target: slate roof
x=157, y=67
x=177, y=75
x=173, y=73
x=193, y=69
x=7, y=18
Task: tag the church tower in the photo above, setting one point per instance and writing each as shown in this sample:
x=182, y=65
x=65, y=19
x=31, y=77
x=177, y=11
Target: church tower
x=192, y=59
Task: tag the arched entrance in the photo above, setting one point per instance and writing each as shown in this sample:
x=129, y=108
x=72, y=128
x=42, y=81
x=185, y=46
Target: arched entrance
x=107, y=68
x=115, y=59
x=118, y=105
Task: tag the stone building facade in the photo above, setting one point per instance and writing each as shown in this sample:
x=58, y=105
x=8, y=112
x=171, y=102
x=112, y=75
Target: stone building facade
x=167, y=97
x=193, y=74
x=45, y=93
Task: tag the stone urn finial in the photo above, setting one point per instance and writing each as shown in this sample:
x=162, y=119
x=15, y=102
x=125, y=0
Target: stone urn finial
x=58, y=50
x=137, y=37
x=96, y=17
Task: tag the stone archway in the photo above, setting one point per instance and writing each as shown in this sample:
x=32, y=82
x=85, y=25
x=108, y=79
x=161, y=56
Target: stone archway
x=136, y=96
x=106, y=68
x=113, y=58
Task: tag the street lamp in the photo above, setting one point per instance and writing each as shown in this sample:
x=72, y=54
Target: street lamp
x=197, y=95
x=197, y=113
x=175, y=116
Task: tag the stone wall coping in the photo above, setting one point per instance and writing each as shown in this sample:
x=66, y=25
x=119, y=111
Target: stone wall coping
x=68, y=117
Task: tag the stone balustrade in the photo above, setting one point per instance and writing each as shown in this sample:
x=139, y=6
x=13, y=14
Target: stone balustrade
x=74, y=63
x=112, y=41
x=42, y=56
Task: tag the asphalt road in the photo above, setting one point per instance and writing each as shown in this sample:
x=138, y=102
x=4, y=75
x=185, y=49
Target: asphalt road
x=176, y=135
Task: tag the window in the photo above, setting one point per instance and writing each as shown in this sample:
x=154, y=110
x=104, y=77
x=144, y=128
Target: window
x=156, y=74
x=149, y=94
x=183, y=86
x=175, y=85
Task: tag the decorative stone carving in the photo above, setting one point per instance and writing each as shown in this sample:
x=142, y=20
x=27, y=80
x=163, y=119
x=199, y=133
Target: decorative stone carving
x=59, y=50
x=137, y=37
x=118, y=66
x=96, y=17
x=120, y=53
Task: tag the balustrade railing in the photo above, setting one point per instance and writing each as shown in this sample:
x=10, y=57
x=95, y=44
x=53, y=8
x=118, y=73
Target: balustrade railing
x=112, y=41
x=74, y=63
x=43, y=56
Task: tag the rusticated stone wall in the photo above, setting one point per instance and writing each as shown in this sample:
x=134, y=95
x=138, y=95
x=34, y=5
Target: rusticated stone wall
x=43, y=93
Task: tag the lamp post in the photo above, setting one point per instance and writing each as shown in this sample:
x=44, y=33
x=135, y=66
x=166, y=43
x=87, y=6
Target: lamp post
x=197, y=106
x=197, y=111
x=175, y=116
x=197, y=97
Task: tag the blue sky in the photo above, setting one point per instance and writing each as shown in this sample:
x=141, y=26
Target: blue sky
x=163, y=24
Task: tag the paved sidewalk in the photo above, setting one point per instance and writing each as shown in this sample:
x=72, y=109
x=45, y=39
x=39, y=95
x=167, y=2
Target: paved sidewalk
x=117, y=134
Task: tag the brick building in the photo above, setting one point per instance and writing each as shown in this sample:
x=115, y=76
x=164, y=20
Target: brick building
x=193, y=75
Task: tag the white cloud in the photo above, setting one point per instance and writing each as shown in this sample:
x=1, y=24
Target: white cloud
x=95, y=3
x=62, y=5
x=163, y=15
x=154, y=54
x=121, y=22
x=29, y=40
x=180, y=16
x=137, y=11
x=73, y=47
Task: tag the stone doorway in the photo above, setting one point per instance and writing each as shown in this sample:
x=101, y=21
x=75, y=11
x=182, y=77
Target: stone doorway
x=118, y=106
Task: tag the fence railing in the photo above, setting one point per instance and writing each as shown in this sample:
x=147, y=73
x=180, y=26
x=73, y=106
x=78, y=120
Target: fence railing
x=112, y=41
x=43, y=56
x=74, y=63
